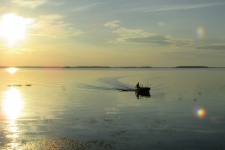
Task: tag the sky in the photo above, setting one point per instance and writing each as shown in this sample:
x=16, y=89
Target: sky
x=112, y=33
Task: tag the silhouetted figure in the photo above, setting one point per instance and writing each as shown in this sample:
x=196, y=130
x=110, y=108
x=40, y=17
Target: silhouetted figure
x=137, y=85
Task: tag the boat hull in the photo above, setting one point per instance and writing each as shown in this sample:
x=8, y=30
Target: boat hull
x=142, y=90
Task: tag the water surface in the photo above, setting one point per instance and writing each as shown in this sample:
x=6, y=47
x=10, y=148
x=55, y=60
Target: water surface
x=67, y=108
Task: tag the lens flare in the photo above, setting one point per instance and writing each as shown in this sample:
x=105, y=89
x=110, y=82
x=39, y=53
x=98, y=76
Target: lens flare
x=201, y=32
x=200, y=112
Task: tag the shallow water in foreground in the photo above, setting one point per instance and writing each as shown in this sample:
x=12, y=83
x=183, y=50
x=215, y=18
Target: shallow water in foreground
x=83, y=109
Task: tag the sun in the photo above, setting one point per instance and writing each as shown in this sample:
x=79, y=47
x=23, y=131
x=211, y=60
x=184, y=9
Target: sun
x=13, y=28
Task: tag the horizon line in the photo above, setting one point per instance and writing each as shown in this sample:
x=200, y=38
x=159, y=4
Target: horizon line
x=68, y=67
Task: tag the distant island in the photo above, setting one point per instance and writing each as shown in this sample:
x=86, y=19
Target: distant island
x=192, y=67
x=87, y=67
x=106, y=67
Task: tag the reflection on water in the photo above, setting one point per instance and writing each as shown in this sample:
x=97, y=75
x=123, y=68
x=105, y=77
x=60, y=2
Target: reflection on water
x=142, y=95
x=12, y=70
x=12, y=134
x=12, y=105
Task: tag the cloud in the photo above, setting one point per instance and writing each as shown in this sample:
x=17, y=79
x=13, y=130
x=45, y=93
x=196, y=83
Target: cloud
x=87, y=6
x=126, y=34
x=2, y=6
x=157, y=39
x=29, y=3
x=186, y=7
x=112, y=24
x=138, y=36
x=173, y=7
x=53, y=26
x=161, y=24
x=56, y=3
x=82, y=8
x=212, y=47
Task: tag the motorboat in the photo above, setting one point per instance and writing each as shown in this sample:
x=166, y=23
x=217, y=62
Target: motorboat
x=143, y=89
x=142, y=92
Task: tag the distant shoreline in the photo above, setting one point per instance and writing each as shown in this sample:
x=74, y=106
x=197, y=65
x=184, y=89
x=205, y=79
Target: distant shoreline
x=71, y=67
x=192, y=67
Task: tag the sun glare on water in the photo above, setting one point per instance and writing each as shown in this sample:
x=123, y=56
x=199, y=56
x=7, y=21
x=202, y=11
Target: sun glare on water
x=13, y=28
x=12, y=70
x=12, y=104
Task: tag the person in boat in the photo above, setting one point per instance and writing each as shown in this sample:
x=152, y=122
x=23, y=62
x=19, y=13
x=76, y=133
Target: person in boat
x=137, y=85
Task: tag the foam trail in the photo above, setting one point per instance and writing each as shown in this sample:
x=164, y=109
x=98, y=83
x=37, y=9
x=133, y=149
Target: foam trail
x=115, y=83
x=96, y=87
x=108, y=83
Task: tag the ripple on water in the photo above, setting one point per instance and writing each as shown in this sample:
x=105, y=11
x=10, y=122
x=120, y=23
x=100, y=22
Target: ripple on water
x=66, y=144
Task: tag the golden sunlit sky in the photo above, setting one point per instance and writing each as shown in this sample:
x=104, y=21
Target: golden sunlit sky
x=112, y=33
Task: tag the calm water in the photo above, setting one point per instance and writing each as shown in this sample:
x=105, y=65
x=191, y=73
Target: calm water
x=69, y=108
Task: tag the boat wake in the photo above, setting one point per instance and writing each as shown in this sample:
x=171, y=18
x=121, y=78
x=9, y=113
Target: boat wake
x=108, y=83
x=126, y=90
x=94, y=87
x=114, y=84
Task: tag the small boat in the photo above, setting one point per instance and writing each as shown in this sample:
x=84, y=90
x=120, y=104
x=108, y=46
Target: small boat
x=142, y=90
